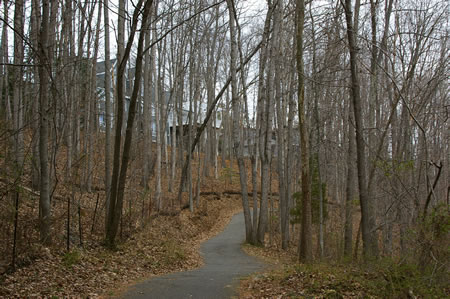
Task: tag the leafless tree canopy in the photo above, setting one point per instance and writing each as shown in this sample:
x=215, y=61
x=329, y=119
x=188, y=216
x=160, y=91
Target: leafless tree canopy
x=341, y=109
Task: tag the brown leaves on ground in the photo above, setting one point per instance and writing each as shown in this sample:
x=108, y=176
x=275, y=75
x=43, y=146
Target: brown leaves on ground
x=302, y=282
x=288, y=279
x=165, y=244
x=383, y=278
x=149, y=243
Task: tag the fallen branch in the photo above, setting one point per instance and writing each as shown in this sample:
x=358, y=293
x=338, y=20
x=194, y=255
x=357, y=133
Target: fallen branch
x=232, y=192
x=436, y=179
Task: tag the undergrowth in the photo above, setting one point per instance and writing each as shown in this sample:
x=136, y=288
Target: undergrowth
x=382, y=279
x=71, y=258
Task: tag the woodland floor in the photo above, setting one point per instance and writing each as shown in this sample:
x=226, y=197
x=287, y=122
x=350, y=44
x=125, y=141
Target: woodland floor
x=384, y=278
x=166, y=244
x=152, y=244
x=149, y=243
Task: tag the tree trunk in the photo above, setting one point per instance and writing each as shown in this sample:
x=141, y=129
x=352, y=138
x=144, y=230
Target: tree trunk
x=5, y=59
x=35, y=170
x=107, y=109
x=159, y=102
x=282, y=166
x=92, y=100
x=350, y=191
x=146, y=114
x=305, y=252
x=119, y=180
x=370, y=244
x=18, y=106
x=44, y=74
x=289, y=158
x=265, y=130
x=173, y=140
x=238, y=146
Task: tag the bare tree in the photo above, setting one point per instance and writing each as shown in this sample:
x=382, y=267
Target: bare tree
x=18, y=102
x=235, y=103
x=265, y=115
x=305, y=252
x=44, y=75
x=107, y=107
x=5, y=61
x=370, y=243
x=119, y=177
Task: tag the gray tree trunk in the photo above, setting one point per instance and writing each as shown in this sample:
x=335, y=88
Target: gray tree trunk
x=119, y=176
x=5, y=59
x=107, y=107
x=370, y=244
x=159, y=104
x=237, y=133
x=18, y=105
x=265, y=122
x=92, y=101
x=305, y=252
x=35, y=170
x=350, y=189
x=44, y=74
x=147, y=113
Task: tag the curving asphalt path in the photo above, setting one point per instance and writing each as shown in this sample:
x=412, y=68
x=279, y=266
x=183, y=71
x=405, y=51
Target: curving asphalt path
x=225, y=263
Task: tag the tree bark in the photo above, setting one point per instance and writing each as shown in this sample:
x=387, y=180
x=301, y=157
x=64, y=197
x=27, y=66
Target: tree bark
x=159, y=102
x=44, y=74
x=18, y=105
x=237, y=144
x=35, y=170
x=107, y=108
x=305, y=252
x=119, y=179
x=5, y=59
x=370, y=244
x=265, y=115
x=350, y=189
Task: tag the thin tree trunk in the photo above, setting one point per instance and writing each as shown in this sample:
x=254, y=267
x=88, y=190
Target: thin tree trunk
x=18, y=106
x=5, y=58
x=289, y=159
x=107, y=109
x=91, y=129
x=44, y=70
x=16, y=221
x=252, y=147
x=119, y=179
x=238, y=146
x=35, y=172
x=315, y=93
x=265, y=121
x=370, y=244
x=189, y=157
x=159, y=109
x=173, y=149
x=305, y=252
x=281, y=122
x=350, y=191
x=159, y=103
x=147, y=115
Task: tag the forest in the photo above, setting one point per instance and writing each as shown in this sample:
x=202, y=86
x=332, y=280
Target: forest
x=132, y=131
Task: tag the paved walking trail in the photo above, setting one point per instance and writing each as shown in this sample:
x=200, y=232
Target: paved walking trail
x=225, y=263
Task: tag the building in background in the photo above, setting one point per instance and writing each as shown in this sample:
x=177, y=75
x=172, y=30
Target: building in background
x=167, y=111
